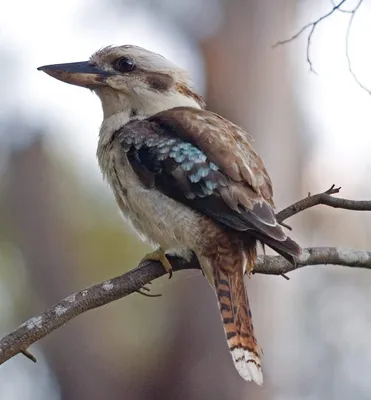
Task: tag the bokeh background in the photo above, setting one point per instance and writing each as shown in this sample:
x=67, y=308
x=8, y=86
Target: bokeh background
x=60, y=230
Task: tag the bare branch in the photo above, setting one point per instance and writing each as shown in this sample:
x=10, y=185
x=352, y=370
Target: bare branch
x=311, y=26
x=277, y=265
x=95, y=296
x=350, y=68
x=28, y=355
x=326, y=199
x=103, y=293
x=341, y=9
x=135, y=280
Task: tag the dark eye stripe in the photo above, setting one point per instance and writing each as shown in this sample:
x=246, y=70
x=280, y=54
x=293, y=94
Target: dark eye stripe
x=159, y=81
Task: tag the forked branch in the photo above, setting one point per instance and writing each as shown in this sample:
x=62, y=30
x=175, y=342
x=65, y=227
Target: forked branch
x=311, y=27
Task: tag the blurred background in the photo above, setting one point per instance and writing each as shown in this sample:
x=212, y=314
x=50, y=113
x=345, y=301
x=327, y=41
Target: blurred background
x=60, y=230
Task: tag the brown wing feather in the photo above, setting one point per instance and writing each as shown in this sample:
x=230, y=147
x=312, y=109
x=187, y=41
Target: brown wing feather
x=228, y=146
x=206, y=162
x=225, y=144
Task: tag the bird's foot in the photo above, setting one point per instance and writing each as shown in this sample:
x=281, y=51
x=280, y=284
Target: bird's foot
x=249, y=273
x=144, y=290
x=249, y=269
x=159, y=255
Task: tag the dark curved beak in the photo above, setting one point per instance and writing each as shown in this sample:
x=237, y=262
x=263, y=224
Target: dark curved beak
x=84, y=73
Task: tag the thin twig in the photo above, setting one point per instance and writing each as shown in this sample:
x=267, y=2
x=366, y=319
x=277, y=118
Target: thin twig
x=28, y=355
x=350, y=68
x=312, y=26
x=341, y=9
x=324, y=198
x=285, y=225
x=285, y=276
x=276, y=265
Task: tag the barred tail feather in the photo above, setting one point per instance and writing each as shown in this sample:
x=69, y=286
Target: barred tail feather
x=237, y=322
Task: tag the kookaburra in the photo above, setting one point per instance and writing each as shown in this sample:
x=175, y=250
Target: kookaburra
x=186, y=179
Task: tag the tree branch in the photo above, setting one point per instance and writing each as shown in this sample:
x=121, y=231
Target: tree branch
x=312, y=27
x=133, y=281
x=350, y=68
x=326, y=199
x=277, y=265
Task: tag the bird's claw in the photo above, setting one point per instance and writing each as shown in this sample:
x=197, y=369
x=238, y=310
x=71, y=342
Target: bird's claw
x=143, y=291
x=159, y=255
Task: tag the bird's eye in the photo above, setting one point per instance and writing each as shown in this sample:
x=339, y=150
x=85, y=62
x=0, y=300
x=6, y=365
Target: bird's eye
x=124, y=64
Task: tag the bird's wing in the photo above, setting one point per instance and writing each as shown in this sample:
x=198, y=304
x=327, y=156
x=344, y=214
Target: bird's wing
x=204, y=161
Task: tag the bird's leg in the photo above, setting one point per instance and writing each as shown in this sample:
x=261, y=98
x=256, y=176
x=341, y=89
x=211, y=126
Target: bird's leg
x=159, y=255
x=249, y=269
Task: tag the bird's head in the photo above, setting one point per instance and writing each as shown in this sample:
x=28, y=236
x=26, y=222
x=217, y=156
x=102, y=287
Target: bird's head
x=130, y=79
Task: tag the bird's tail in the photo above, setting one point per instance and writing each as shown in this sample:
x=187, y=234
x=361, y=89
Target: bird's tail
x=237, y=322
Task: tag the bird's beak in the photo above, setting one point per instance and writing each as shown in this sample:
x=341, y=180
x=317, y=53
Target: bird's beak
x=84, y=73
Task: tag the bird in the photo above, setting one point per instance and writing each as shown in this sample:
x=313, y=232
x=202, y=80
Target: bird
x=186, y=179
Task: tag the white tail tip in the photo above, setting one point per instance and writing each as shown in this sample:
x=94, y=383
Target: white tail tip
x=247, y=365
